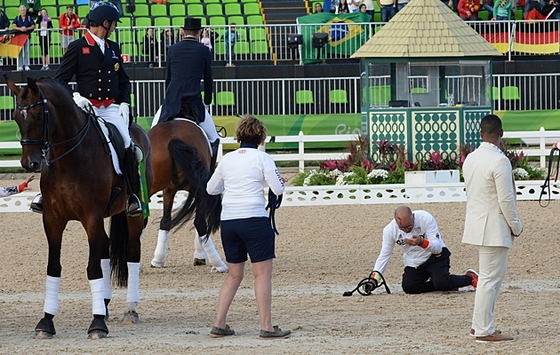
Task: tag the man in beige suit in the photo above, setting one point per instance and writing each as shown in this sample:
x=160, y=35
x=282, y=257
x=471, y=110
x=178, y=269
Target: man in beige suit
x=491, y=223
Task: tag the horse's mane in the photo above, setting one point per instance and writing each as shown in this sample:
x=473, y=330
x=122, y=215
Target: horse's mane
x=57, y=94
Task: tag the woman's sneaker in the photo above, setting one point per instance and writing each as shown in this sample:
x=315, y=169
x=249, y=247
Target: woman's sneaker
x=276, y=334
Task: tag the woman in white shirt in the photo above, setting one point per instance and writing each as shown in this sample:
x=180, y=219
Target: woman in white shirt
x=245, y=228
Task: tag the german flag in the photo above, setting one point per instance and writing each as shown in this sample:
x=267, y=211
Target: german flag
x=11, y=43
x=537, y=37
x=497, y=33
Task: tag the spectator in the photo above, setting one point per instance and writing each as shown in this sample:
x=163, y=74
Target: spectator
x=501, y=10
x=150, y=46
x=370, y=9
x=343, y=7
x=166, y=39
x=318, y=7
x=468, y=9
x=32, y=7
x=388, y=9
x=353, y=5
x=552, y=9
x=69, y=22
x=488, y=5
x=4, y=20
x=44, y=22
x=363, y=8
x=205, y=39
x=26, y=25
x=230, y=39
x=401, y=4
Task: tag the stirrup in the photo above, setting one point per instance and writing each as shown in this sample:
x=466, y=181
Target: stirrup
x=36, y=204
x=133, y=206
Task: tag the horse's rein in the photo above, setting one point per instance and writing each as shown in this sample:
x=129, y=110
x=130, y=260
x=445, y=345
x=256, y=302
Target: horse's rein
x=546, y=184
x=47, y=145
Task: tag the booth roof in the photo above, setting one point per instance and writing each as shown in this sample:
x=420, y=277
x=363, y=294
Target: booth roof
x=426, y=29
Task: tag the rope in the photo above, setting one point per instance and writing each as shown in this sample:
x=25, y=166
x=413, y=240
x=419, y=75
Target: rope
x=546, y=185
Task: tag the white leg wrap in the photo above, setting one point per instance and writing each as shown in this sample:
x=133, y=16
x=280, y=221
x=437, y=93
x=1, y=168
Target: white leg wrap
x=213, y=257
x=51, y=295
x=106, y=268
x=159, y=254
x=133, y=295
x=97, y=303
x=199, y=252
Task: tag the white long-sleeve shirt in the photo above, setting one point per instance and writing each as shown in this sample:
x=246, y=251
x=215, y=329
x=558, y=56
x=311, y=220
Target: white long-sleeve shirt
x=242, y=176
x=424, y=225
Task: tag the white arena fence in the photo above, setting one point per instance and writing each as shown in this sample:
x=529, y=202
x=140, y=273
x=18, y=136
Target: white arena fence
x=277, y=96
x=348, y=194
x=269, y=43
x=340, y=195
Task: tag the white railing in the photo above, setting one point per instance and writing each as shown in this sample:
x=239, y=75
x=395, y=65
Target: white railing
x=533, y=144
x=340, y=195
x=543, y=139
x=301, y=156
x=277, y=96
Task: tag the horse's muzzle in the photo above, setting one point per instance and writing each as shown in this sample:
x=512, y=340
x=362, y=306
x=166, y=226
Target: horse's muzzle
x=31, y=165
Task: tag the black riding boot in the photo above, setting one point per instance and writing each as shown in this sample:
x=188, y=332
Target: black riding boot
x=133, y=205
x=214, y=145
x=36, y=204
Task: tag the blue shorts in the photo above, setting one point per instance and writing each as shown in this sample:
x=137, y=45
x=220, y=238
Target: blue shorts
x=253, y=236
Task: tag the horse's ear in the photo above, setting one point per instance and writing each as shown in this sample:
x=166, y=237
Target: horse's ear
x=32, y=85
x=11, y=85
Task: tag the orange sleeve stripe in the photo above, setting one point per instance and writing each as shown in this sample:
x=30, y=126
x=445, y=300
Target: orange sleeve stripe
x=425, y=244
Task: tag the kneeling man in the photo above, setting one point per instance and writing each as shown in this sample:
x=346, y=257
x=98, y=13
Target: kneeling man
x=426, y=259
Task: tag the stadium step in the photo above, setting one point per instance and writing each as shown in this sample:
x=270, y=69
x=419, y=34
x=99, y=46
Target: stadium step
x=282, y=12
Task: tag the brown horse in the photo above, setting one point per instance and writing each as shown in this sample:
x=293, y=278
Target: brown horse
x=181, y=161
x=78, y=182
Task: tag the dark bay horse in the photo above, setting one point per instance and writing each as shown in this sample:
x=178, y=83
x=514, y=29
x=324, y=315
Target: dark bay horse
x=78, y=182
x=181, y=161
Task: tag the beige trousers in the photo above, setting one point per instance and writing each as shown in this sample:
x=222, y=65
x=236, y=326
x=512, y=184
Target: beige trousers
x=492, y=271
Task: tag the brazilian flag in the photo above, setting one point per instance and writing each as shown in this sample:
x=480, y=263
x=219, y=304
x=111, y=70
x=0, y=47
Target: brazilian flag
x=345, y=35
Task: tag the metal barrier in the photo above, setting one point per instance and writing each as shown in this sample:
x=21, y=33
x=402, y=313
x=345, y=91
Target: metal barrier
x=279, y=96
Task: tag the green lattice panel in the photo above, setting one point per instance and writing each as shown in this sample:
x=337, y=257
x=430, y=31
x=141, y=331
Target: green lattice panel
x=390, y=125
x=471, y=128
x=435, y=131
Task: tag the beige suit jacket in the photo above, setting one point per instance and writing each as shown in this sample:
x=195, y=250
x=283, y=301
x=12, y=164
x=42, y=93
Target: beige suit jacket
x=491, y=217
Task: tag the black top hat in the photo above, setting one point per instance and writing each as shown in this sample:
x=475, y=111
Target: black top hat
x=192, y=23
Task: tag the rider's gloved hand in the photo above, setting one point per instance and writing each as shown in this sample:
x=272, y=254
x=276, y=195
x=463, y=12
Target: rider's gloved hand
x=81, y=101
x=124, y=111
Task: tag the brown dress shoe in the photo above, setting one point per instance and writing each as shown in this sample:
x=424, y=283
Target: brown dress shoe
x=495, y=337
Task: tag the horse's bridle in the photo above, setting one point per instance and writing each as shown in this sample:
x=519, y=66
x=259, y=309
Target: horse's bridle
x=44, y=141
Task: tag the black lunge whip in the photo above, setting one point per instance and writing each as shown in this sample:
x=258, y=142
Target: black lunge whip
x=366, y=286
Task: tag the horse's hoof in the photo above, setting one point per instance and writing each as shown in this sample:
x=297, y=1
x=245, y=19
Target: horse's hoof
x=130, y=317
x=198, y=262
x=97, y=334
x=45, y=329
x=157, y=264
x=43, y=335
x=98, y=329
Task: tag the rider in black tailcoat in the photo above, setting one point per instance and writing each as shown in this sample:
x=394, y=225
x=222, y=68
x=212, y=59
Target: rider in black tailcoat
x=187, y=63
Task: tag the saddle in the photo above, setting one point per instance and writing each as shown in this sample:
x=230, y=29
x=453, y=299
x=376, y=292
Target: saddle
x=189, y=112
x=111, y=137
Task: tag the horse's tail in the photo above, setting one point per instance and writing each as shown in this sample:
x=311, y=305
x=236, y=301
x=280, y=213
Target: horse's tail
x=195, y=176
x=118, y=236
